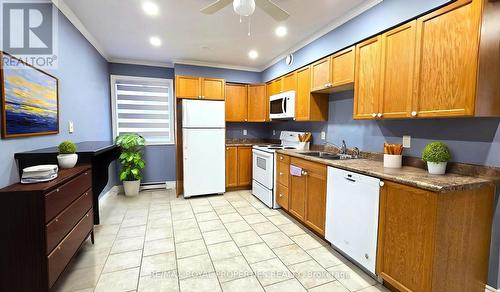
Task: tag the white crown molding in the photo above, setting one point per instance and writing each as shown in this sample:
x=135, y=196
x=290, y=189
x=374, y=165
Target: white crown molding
x=141, y=62
x=216, y=65
x=336, y=23
x=64, y=8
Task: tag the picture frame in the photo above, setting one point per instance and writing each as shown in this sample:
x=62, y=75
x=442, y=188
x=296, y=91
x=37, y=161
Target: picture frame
x=29, y=100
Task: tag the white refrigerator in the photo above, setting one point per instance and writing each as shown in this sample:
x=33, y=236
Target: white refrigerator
x=203, y=140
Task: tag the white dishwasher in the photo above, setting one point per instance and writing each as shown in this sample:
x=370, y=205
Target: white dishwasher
x=352, y=207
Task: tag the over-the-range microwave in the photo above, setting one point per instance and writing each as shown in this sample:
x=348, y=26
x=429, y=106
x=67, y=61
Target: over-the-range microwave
x=282, y=105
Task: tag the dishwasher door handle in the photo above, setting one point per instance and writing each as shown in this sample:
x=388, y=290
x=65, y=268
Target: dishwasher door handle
x=350, y=179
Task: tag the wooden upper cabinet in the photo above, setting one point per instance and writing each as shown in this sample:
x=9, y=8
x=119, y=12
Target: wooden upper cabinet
x=274, y=87
x=236, y=102
x=187, y=87
x=367, y=79
x=342, y=71
x=192, y=87
x=397, y=71
x=231, y=167
x=289, y=82
x=212, y=88
x=244, y=166
x=320, y=75
x=258, y=103
x=447, y=54
x=309, y=106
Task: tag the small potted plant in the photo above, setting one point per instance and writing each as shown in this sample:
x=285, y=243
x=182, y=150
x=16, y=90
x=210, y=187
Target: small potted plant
x=132, y=163
x=437, y=155
x=67, y=157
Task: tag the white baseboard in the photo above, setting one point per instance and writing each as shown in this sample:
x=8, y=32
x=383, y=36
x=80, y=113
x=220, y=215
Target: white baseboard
x=490, y=289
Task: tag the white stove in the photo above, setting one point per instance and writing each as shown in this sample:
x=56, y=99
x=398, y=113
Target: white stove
x=264, y=167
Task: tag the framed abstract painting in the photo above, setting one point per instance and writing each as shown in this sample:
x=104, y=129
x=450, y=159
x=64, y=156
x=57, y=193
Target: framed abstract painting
x=29, y=99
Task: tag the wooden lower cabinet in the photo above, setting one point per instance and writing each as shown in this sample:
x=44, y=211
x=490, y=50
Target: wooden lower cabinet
x=431, y=241
x=238, y=166
x=307, y=194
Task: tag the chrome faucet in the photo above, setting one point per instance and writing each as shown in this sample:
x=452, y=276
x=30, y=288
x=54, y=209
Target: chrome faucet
x=343, y=149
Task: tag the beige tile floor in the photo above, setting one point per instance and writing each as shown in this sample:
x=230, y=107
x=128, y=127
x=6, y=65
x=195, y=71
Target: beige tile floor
x=157, y=242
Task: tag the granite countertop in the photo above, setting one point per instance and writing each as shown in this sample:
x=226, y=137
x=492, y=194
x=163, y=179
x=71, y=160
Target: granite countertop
x=407, y=175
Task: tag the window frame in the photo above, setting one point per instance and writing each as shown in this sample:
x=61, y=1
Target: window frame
x=171, y=101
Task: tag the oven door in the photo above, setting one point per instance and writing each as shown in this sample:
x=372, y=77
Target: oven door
x=263, y=168
x=277, y=107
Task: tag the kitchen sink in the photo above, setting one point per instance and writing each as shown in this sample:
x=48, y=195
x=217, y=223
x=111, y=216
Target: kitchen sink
x=327, y=155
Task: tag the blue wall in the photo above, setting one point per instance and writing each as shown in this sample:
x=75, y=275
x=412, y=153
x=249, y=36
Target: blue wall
x=160, y=159
x=83, y=96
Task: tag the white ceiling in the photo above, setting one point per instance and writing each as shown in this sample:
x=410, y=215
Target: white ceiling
x=121, y=30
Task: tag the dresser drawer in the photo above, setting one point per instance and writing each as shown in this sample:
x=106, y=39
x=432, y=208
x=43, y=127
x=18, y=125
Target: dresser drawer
x=60, y=198
x=63, y=253
x=283, y=173
x=66, y=220
x=282, y=196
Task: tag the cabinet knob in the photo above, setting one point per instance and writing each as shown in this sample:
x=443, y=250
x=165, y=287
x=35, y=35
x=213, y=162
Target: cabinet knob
x=281, y=195
x=380, y=115
x=382, y=183
x=58, y=248
x=304, y=172
x=57, y=190
x=86, y=173
x=57, y=220
x=281, y=157
x=199, y=96
x=87, y=215
x=281, y=173
x=374, y=115
x=326, y=85
x=413, y=114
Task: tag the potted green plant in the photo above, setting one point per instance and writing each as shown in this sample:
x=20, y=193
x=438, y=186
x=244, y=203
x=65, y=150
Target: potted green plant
x=67, y=157
x=437, y=155
x=132, y=162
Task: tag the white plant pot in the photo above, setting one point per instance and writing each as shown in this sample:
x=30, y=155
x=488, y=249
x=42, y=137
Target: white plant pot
x=436, y=167
x=67, y=160
x=131, y=188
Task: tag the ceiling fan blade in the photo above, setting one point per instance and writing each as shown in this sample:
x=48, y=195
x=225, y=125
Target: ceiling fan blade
x=272, y=9
x=216, y=6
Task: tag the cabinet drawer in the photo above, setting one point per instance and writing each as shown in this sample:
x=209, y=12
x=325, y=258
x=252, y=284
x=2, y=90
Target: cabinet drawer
x=283, y=158
x=282, y=196
x=59, y=199
x=65, y=221
x=283, y=173
x=63, y=253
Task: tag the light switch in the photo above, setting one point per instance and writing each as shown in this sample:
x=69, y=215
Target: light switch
x=406, y=141
x=245, y=132
x=71, y=128
x=323, y=135
x=274, y=132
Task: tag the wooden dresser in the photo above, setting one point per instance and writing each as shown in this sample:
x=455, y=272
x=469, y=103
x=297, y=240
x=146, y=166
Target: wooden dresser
x=43, y=227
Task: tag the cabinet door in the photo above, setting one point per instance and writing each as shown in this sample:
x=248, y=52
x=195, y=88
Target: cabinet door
x=320, y=75
x=303, y=94
x=315, y=201
x=282, y=196
x=367, y=79
x=406, y=236
x=187, y=87
x=297, y=196
x=289, y=82
x=236, y=102
x=244, y=166
x=257, y=103
x=447, y=60
x=343, y=67
x=398, y=63
x=231, y=166
x=212, y=89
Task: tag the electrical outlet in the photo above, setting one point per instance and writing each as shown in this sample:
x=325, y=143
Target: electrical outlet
x=245, y=132
x=406, y=141
x=274, y=132
x=323, y=135
x=71, y=127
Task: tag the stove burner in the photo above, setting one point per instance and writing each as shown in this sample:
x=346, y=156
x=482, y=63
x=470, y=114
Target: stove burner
x=289, y=148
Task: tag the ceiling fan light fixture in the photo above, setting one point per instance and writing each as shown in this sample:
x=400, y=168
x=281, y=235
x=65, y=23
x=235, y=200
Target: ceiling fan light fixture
x=244, y=7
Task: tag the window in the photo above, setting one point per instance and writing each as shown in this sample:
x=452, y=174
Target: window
x=143, y=106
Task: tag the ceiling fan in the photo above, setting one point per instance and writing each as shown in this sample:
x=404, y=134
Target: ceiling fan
x=247, y=8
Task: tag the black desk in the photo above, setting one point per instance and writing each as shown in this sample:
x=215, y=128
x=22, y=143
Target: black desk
x=99, y=154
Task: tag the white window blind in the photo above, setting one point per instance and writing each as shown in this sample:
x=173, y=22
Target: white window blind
x=143, y=106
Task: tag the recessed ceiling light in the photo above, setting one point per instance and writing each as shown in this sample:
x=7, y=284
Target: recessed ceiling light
x=155, y=41
x=253, y=54
x=281, y=31
x=150, y=8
